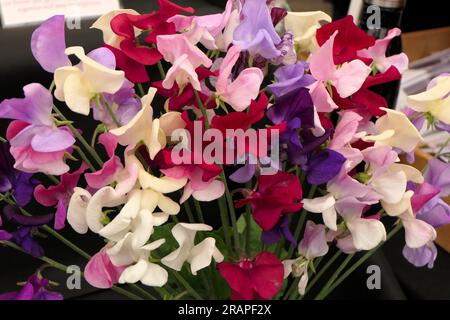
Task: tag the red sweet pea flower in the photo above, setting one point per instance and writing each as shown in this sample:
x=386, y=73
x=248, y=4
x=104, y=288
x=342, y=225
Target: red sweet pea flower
x=132, y=57
x=276, y=195
x=258, y=279
x=348, y=41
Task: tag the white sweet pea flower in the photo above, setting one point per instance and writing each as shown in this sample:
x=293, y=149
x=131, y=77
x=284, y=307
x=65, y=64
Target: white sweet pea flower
x=435, y=100
x=76, y=211
x=198, y=256
x=304, y=26
x=417, y=232
x=104, y=24
x=396, y=130
x=78, y=85
x=139, y=268
x=152, y=132
x=325, y=206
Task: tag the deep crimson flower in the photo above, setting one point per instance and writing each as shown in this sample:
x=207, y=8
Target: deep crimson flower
x=276, y=195
x=132, y=57
x=178, y=100
x=258, y=279
x=59, y=195
x=348, y=41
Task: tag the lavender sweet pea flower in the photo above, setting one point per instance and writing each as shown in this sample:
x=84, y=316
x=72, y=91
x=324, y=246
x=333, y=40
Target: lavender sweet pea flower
x=280, y=230
x=19, y=183
x=34, y=289
x=291, y=77
x=420, y=257
x=124, y=104
x=256, y=32
x=438, y=175
x=287, y=51
x=48, y=44
x=314, y=242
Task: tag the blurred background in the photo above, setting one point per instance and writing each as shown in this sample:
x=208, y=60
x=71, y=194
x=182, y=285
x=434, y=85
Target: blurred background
x=426, y=40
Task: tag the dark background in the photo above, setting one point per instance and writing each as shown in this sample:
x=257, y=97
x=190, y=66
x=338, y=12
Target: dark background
x=400, y=280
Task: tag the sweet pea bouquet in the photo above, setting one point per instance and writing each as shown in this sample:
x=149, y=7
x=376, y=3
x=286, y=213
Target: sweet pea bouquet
x=238, y=155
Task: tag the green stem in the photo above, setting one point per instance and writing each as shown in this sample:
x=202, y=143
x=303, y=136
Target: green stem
x=53, y=179
x=63, y=268
x=161, y=70
x=141, y=89
x=198, y=209
x=80, y=138
x=301, y=222
x=2, y=140
x=232, y=212
x=202, y=109
x=224, y=220
x=323, y=293
x=188, y=210
x=361, y=261
x=84, y=158
x=186, y=285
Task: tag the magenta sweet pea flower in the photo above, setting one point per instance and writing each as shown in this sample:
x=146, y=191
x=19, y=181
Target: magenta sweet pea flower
x=59, y=195
x=36, y=288
x=100, y=271
x=37, y=144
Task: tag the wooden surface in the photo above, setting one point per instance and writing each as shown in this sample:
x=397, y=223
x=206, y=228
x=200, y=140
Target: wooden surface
x=421, y=44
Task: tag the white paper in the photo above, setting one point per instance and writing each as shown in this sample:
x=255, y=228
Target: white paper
x=22, y=12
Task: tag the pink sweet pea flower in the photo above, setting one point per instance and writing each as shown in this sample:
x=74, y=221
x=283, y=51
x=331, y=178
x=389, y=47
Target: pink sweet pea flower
x=347, y=79
x=37, y=144
x=59, y=195
x=378, y=54
x=245, y=88
x=184, y=57
x=100, y=271
x=258, y=279
x=108, y=173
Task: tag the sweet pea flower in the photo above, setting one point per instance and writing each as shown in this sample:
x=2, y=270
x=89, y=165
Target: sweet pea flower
x=378, y=53
x=417, y=232
x=203, y=29
x=277, y=194
x=136, y=262
x=304, y=26
x=48, y=44
x=349, y=40
x=396, y=130
x=27, y=226
x=77, y=86
x=184, y=57
x=239, y=92
x=313, y=245
x=152, y=132
x=123, y=103
x=256, y=32
x=291, y=77
x=100, y=272
x=347, y=79
x=20, y=184
x=36, y=288
x=258, y=279
x=280, y=230
x=59, y=195
x=198, y=255
x=37, y=144
x=435, y=100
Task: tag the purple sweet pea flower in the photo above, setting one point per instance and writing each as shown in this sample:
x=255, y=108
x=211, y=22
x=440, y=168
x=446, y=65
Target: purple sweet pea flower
x=19, y=183
x=323, y=166
x=281, y=229
x=420, y=257
x=23, y=236
x=287, y=52
x=124, y=103
x=48, y=44
x=291, y=77
x=34, y=289
x=438, y=175
x=256, y=32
